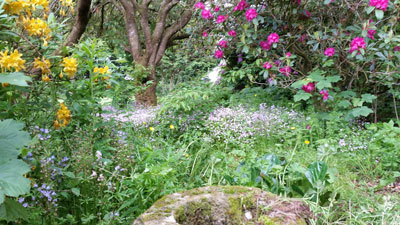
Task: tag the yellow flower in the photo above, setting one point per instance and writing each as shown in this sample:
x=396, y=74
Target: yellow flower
x=45, y=78
x=61, y=75
x=293, y=128
x=151, y=129
x=255, y=95
x=306, y=142
x=11, y=61
x=36, y=27
x=5, y=84
x=43, y=64
x=171, y=127
x=187, y=155
x=15, y=7
x=70, y=66
x=96, y=70
x=144, y=123
x=63, y=116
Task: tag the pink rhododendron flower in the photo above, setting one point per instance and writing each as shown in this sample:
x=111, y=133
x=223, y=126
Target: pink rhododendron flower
x=273, y=38
x=307, y=14
x=371, y=33
x=223, y=44
x=221, y=19
x=396, y=49
x=264, y=45
x=309, y=87
x=232, y=33
x=356, y=44
x=251, y=14
x=379, y=4
x=205, y=34
x=216, y=9
x=285, y=70
x=325, y=94
x=288, y=54
x=241, y=6
x=298, y=1
x=267, y=65
x=329, y=51
x=206, y=14
x=219, y=54
x=199, y=5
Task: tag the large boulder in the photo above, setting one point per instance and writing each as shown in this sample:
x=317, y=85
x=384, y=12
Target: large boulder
x=225, y=205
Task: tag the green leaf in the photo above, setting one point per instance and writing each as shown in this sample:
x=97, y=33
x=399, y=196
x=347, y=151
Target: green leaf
x=12, y=182
x=12, y=210
x=298, y=84
x=379, y=14
x=301, y=96
x=328, y=63
x=344, y=104
x=12, y=138
x=76, y=191
x=316, y=173
x=333, y=79
x=323, y=84
x=368, y=98
x=316, y=75
x=245, y=49
x=69, y=174
x=370, y=9
x=16, y=78
x=361, y=111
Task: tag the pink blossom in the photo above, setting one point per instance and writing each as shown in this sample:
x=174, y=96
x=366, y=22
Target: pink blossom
x=273, y=38
x=356, y=44
x=371, y=33
x=308, y=127
x=307, y=14
x=288, y=54
x=264, y=45
x=199, y=5
x=232, y=33
x=251, y=14
x=206, y=14
x=216, y=9
x=329, y=51
x=241, y=6
x=309, y=87
x=302, y=37
x=325, y=94
x=223, y=44
x=267, y=65
x=285, y=70
x=221, y=19
x=205, y=34
x=396, y=49
x=219, y=54
x=298, y=1
x=379, y=4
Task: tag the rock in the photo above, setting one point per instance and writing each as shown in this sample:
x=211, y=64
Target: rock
x=225, y=205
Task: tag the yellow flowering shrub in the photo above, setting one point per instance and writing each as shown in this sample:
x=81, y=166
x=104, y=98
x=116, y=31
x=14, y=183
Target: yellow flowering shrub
x=14, y=60
x=70, y=66
x=63, y=116
x=36, y=27
x=43, y=64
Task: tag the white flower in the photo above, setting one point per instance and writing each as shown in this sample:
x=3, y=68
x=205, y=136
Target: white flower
x=98, y=155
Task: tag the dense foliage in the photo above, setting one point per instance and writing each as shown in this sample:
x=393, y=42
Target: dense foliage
x=306, y=107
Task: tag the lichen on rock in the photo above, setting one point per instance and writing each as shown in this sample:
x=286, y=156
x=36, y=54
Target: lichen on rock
x=225, y=205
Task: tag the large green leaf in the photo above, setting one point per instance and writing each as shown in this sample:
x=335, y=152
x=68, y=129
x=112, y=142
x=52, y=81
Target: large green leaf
x=361, y=111
x=16, y=78
x=12, y=138
x=301, y=95
x=12, y=210
x=316, y=173
x=12, y=182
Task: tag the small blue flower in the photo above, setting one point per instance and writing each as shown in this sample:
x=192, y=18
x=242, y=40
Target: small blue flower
x=21, y=200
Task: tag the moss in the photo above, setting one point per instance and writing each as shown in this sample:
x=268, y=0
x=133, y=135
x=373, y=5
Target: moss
x=235, y=211
x=152, y=216
x=195, y=212
x=236, y=189
x=265, y=220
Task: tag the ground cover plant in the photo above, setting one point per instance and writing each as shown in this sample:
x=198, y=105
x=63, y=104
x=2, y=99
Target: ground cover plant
x=305, y=106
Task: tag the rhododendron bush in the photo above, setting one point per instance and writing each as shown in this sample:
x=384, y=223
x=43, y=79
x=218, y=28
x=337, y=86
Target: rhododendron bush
x=337, y=55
